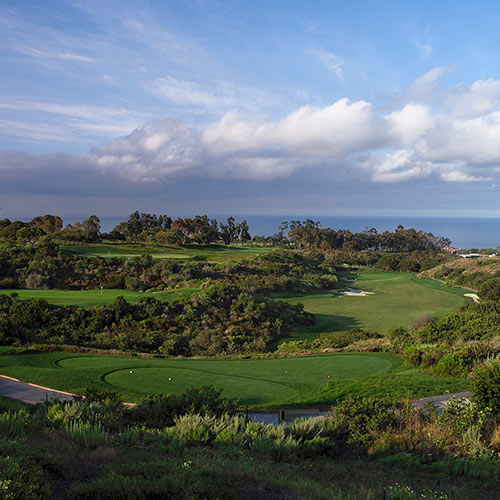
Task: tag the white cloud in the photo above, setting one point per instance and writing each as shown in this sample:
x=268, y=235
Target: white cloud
x=70, y=122
x=398, y=167
x=410, y=123
x=482, y=97
x=424, y=43
x=65, y=56
x=425, y=86
x=332, y=62
x=415, y=141
x=458, y=176
x=212, y=95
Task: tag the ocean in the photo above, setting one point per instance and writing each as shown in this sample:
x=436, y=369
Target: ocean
x=464, y=232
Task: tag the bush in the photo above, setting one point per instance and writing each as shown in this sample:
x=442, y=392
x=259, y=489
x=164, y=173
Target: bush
x=22, y=480
x=12, y=424
x=86, y=435
x=486, y=386
x=160, y=410
x=490, y=290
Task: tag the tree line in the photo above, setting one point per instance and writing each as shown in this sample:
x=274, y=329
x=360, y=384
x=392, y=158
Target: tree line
x=140, y=227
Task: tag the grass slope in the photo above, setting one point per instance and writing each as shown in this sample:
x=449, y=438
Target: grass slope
x=397, y=300
x=85, y=298
x=217, y=253
x=283, y=382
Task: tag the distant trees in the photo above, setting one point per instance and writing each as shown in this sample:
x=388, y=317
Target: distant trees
x=309, y=234
x=199, y=229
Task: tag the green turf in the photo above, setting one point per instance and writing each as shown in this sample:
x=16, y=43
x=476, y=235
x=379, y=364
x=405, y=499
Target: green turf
x=87, y=298
x=216, y=253
x=283, y=382
x=397, y=300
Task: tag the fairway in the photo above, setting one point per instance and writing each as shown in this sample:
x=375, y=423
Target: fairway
x=283, y=382
x=86, y=298
x=216, y=253
x=396, y=299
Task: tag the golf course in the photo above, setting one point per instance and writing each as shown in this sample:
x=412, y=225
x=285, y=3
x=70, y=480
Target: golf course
x=86, y=298
x=214, y=253
x=393, y=299
x=284, y=382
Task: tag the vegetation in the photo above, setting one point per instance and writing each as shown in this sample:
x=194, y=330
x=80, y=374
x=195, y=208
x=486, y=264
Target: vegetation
x=471, y=273
x=220, y=318
x=195, y=446
x=156, y=287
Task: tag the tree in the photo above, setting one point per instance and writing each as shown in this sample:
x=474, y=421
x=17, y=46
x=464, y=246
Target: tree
x=244, y=232
x=48, y=223
x=92, y=228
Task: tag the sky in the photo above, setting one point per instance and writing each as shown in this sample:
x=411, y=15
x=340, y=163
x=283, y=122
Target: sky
x=249, y=108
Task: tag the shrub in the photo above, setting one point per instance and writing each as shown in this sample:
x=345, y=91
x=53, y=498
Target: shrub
x=485, y=386
x=12, y=424
x=128, y=437
x=22, y=480
x=86, y=435
x=490, y=290
x=304, y=429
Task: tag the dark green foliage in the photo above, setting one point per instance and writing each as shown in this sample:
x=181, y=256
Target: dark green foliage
x=100, y=395
x=222, y=317
x=161, y=410
x=486, y=386
x=310, y=234
x=490, y=290
x=163, y=479
x=357, y=419
x=25, y=471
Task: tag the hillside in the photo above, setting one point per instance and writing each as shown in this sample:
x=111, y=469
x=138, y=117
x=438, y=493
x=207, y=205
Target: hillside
x=465, y=272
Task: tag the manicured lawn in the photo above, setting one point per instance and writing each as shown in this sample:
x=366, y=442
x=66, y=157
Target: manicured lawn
x=283, y=382
x=397, y=300
x=87, y=298
x=186, y=252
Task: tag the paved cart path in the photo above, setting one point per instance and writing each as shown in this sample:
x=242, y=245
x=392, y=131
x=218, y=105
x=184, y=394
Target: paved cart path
x=29, y=393
x=32, y=393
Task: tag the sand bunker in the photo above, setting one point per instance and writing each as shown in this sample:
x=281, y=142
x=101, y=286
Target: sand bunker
x=355, y=293
x=473, y=296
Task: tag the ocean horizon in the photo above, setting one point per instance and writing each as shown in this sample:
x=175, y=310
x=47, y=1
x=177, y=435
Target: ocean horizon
x=464, y=232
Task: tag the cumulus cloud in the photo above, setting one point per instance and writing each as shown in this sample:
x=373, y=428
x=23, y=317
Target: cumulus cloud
x=455, y=140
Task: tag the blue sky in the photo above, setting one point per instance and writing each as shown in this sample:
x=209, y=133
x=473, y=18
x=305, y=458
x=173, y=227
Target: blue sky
x=282, y=107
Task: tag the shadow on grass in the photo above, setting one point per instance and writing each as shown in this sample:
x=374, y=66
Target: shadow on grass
x=326, y=324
